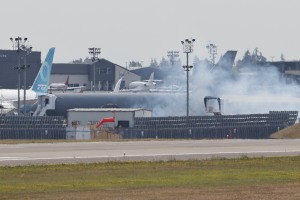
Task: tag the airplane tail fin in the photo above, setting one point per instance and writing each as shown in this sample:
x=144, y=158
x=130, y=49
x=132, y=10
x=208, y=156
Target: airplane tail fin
x=118, y=84
x=226, y=61
x=67, y=81
x=41, y=82
x=151, y=80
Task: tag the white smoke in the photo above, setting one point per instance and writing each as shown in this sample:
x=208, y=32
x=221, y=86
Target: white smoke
x=255, y=90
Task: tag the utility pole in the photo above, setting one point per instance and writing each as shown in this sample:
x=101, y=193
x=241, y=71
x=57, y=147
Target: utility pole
x=94, y=52
x=187, y=48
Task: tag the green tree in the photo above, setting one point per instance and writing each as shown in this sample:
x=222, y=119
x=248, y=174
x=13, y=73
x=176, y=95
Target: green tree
x=282, y=57
x=250, y=60
x=135, y=64
x=164, y=63
x=153, y=63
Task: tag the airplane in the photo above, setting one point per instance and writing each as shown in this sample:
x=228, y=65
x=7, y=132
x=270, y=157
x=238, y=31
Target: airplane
x=9, y=97
x=59, y=86
x=64, y=87
x=137, y=86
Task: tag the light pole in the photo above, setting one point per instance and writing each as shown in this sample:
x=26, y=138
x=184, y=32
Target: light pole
x=187, y=48
x=17, y=43
x=172, y=55
x=94, y=52
x=212, y=51
x=26, y=50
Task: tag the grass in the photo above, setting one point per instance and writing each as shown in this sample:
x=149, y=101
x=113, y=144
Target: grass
x=253, y=178
x=289, y=132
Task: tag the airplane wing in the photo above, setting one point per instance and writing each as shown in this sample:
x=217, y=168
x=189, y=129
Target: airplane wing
x=8, y=106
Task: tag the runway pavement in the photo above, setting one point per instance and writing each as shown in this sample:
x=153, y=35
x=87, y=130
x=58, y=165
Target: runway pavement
x=84, y=152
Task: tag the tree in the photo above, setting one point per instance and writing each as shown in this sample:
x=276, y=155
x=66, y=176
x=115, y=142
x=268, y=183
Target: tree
x=257, y=57
x=76, y=61
x=196, y=62
x=254, y=59
x=153, y=63
x=135, y=64
x=247, y=57
x=164, y=63
x=282, y=57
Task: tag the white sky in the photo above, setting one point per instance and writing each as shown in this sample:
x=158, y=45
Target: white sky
x=139, y=30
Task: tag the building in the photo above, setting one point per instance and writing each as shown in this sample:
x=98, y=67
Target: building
x=9, y=59
x=105, y=73
x=289, y=69
x=124, y=117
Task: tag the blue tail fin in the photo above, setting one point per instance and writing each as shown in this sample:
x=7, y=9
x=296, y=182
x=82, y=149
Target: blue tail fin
x=41, y=82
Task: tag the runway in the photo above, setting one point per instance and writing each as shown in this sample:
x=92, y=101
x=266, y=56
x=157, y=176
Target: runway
x=86, y=152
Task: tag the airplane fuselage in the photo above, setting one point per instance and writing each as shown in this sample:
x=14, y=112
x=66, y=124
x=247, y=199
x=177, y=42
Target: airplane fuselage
x=58, y=86
x=12, y=95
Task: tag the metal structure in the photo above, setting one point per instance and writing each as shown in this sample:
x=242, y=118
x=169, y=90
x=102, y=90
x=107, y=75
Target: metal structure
x=26, y=51
x=212, y=51
x=94, y=52
x=24, y=127
x=172, y=55
x=248, y=126
x=19, y=44
x=187, y=48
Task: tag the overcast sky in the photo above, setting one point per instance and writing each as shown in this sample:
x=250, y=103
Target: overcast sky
x=139, y=30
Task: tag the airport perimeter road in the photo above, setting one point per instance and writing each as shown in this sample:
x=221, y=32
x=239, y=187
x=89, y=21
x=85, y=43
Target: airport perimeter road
x=83, y=152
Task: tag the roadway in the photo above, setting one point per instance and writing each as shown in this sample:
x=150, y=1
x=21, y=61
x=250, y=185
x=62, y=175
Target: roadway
x=85, y=152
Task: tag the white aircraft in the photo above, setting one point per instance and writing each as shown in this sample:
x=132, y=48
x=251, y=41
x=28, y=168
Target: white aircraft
x=139, y=86
x=60, y=86
x=9, y=97
x=64, y=87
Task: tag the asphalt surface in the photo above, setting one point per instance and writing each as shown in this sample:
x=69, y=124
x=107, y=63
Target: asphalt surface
x=86, y=152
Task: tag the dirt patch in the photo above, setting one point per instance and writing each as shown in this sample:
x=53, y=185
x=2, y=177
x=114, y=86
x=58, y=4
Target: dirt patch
x=289, y=132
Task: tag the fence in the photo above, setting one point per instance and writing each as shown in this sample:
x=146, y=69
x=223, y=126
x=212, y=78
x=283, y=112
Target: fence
x=194, y=127
x=224, y=126
x=32, y=127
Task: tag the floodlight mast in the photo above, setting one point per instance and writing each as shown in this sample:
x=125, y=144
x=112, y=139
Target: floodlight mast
x=19, y=45
x=172, y=55
x=94, y=52
x=188, y=45
x=212, y=51
x=26, y=51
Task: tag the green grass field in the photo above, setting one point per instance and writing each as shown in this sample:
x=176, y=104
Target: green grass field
x=244, y=178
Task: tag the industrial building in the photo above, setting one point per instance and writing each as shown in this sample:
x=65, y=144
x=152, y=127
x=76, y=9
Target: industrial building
x=104, y=73
x=82, y=123
x=124, y=117
x=9, y=60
